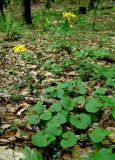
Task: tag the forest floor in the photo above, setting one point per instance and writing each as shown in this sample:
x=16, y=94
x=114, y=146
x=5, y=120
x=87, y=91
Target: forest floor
x=25, y=76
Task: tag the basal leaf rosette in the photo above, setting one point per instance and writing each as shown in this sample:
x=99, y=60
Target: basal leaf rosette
x=80, y=121
x=69, y=139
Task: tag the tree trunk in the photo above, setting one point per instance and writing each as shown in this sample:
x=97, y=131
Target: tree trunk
x=94, y=17
x=27, y=11
x=1, y=7
x=91, y=4
x=48, y=4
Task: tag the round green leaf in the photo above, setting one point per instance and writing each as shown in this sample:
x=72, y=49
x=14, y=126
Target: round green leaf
x=64, y=112
x=46, y=115
x=69, y=140
x=41, y=139
x=101, y=90
x=39, y=107
x=67, y=103
x=93, y=105
x=98, y=134
x=53, y=129
x=80, y=121
x=80, y=100
x=60, y=92
x=110, y=82
x=82, y=90
x=103, y=154
x=112, y=101
x=58, y=118
x=34, y=119
x=80, y=87
x=50, y=89
x=56, y=107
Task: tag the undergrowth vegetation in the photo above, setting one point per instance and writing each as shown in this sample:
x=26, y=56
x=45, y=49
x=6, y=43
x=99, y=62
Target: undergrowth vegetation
x=77, y=109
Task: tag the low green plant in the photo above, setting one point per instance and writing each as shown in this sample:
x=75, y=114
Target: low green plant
x=47, y=64
x=113, y=8
x=98, y=134
x=95, y=103
x=33, y=88
x=13, y=71
x=67, y=63
x=17, y=98
x=54, y=67
x=30, y=154
x=69, y=139
x=27, y=57
x=104, y=153
x=10, y=27
x=55, y=120
x=80, y=121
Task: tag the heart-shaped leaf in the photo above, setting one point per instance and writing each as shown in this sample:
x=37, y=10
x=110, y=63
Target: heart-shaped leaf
x=64, y=112
x=41, y=139
x=69, y=140
x=39, y=107
x=46, y=115
x=98, y=134
x=101, y=90
x=34, y=119
x=53, y=129
x=93, y=105
x=110, y=82
x=104, y=154
x=80, y=121
x=60, y=92
x=50, y=89
x=56, y=107
x=80, y=100
x=58, y=118
x=67, y=103
x=80, y=87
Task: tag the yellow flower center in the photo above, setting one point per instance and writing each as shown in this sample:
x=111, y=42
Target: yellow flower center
x=68, y=15
x=20, y=48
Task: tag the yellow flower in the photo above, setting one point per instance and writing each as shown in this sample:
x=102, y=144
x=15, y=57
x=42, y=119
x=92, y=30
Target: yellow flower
x=68, y=15
x=19, y=48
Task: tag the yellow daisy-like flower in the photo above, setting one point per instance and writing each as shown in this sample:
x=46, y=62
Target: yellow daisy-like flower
x=19, y=48
x=68, y=15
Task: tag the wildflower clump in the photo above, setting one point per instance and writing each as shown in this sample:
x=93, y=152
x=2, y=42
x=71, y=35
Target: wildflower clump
x=68, y=15
x=19, y=48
